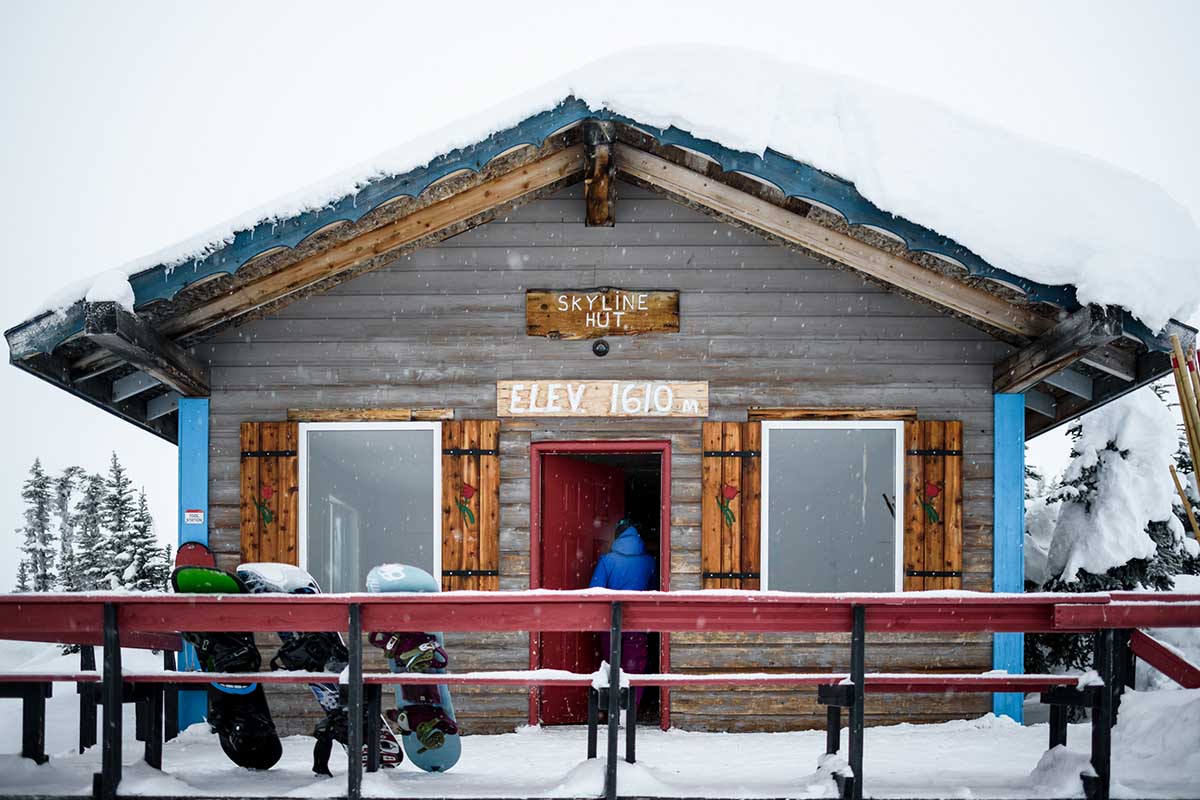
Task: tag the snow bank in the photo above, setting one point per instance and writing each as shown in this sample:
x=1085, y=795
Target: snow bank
x=1041, y=212
x=1185, y=641
x=1130, y=491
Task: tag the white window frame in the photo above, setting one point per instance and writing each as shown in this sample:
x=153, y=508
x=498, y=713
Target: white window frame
x=765, y=520
x=302, y=453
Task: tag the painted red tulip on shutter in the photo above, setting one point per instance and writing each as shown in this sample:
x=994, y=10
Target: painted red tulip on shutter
x=468, y=491
x=728, y=492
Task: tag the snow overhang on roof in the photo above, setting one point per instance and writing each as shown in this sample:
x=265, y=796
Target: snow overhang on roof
x=1003, y=196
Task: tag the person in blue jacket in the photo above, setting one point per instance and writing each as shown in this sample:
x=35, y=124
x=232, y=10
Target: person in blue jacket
x=627, y=567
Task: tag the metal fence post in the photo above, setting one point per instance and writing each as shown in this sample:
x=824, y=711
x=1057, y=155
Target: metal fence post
x=104, y=783
x=355, y=738
x=614, y=702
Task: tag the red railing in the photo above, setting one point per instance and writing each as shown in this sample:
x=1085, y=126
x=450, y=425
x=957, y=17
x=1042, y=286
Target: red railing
x=157, y=619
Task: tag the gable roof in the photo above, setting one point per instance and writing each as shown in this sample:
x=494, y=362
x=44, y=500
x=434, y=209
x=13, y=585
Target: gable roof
x=190, y=291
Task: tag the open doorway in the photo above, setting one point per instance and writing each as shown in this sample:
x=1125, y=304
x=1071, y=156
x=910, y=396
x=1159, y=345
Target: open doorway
x=579, y=491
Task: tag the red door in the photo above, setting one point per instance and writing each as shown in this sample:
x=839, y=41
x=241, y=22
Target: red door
x=581, y=503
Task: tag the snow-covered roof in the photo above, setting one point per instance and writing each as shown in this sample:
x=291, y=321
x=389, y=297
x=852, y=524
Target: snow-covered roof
x=1061, y=226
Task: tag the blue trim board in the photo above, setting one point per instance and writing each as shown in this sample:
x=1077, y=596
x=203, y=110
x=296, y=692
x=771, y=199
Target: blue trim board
x=1008, y=536
x=193, y=523
x=794, y=178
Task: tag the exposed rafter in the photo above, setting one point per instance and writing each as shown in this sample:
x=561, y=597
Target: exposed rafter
x=1150, y=367
x=125, y=335
x=599, y=174
x=1087, y=329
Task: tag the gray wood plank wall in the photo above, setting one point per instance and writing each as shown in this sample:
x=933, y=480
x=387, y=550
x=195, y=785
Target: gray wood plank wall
x=765, y=326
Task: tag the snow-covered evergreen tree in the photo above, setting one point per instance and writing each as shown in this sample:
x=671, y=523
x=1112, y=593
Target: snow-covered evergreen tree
x=64, y=490
x=91, y=542
x=1117, y=527
x=39, y=549
x=147, y=570
x=118, y=517
x=22, y=576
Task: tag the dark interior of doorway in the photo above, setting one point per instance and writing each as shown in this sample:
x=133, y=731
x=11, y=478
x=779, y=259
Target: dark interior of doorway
x=641, y=502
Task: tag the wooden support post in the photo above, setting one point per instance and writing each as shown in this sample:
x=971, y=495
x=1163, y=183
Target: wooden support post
x=600, y=174
x=170, y=701
x=33, y=721
x=858, y=676
x=153, y=721
x=833, y=729
x=1058, y=725
x=127, y=336
x=627, y=695
x=374, y=694
x=105, y=782
x=354, y=738
x=87, y=699
x=1096, y=787
x=593, y=720
x=614, y=702
x=1087, y=329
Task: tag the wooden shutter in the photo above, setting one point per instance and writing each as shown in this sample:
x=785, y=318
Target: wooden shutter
x=730, y=504
x=471, y=504
x=270, y=493
x=932, y=505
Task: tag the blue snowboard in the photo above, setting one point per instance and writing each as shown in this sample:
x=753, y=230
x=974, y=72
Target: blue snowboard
x=424, y=713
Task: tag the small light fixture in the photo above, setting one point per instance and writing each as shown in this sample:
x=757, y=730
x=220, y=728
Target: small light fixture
x=600, y=348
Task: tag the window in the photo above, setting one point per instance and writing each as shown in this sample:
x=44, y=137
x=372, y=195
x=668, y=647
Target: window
x=369, y=494
x=829, y=506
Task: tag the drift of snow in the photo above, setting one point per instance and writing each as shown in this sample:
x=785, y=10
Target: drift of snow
x=111, y=286
x=1154, y=756
x=1184, y=641
x=1041, y=212
x=1130, y=492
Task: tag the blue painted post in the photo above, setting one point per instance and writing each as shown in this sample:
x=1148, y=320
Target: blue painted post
x=193, y=521
x=1008, y=536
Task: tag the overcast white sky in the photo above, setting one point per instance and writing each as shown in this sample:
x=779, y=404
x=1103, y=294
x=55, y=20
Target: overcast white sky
x=127, y=126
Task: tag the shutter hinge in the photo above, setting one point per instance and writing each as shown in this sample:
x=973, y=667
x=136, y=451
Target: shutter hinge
x=934, y=452
x=470, y=573
x=468, y=451
x=268, y=453
x=732, y=453
x=932, y=573
x=731, y=575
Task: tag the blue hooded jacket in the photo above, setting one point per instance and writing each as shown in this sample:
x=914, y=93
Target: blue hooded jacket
x=627, y=566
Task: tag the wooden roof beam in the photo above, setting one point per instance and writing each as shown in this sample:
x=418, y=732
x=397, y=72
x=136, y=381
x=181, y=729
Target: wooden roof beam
x=931, y=286
x=1087, y=329
x=599, y=174
x=359, y=254
x=122, y=333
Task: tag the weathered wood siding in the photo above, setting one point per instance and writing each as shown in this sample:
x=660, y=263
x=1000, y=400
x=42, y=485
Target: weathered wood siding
x=765, y=326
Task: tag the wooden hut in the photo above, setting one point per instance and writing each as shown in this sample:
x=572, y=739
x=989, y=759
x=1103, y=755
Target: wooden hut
x=479, y=365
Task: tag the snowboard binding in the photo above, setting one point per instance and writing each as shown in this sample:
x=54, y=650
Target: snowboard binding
x=335, y=727
x=225, y=652
x=412, y=652
x=311, y=652
x=430, y=724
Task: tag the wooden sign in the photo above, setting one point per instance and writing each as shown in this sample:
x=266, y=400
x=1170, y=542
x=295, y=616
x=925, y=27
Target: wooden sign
x=562, y=398
x=591, y=313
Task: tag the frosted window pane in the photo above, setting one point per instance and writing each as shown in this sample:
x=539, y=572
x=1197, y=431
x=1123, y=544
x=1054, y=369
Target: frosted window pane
x=370, y=501
x=830, y=529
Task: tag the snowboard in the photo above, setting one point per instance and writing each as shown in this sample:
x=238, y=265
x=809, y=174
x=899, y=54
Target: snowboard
x=315, y=652
x=237, y=712
x=424, y=714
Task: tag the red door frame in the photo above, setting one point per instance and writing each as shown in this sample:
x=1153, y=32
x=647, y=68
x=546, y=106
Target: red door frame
x=611, y=447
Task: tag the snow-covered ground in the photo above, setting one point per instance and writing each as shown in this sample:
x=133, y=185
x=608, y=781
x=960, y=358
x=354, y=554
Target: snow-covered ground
x=1156, y=755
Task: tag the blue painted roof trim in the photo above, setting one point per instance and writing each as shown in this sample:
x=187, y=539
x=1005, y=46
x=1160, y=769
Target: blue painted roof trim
x=793, y=178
